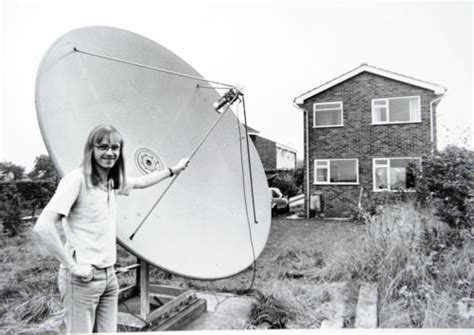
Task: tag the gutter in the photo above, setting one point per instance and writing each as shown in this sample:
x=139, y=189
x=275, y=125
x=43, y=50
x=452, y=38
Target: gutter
x=433, y=144
x=306, y=156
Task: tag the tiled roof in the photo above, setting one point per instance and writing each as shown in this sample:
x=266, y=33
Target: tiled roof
x=372, y=69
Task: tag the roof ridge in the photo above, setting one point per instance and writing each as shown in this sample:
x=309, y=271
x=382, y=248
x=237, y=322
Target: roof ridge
x=366, y=67
x=403, y=75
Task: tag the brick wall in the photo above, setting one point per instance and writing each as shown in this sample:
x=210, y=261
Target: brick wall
x=266, y=150
x=358, y=138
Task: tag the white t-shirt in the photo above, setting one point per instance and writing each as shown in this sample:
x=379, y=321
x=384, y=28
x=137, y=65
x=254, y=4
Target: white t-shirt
x=89, y=218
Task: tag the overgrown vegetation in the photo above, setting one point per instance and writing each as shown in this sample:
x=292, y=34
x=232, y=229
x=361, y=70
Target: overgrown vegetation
x=372, y=203
x=445, y=183
x=421, y=272
x=414, y=246
x=270, y=311
x=28, y=294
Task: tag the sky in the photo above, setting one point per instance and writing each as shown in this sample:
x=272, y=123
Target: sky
x=277, y=50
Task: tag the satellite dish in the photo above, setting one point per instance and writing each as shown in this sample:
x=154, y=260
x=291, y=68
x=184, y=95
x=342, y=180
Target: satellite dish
x=204, y=226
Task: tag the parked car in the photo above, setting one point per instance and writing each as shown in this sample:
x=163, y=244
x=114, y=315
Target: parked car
x=280, y=203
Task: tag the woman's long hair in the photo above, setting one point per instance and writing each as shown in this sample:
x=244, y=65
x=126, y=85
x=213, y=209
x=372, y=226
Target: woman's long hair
x=89, y=164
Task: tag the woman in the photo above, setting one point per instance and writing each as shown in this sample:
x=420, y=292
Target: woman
x=85, y=203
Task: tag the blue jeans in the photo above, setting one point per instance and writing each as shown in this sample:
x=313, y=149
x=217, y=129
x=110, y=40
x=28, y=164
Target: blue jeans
x=89, y=306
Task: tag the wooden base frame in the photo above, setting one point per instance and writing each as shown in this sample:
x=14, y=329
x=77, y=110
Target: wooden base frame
x=145, y=306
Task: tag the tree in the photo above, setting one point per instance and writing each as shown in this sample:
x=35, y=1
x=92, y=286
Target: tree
x=9, y=207
x=35, y=194
x=17, y=170
x=44, y=169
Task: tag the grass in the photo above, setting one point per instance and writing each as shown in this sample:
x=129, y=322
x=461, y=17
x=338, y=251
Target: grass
x=29, y=295
x=306, y=268
x=29, y=298
x=292, y=269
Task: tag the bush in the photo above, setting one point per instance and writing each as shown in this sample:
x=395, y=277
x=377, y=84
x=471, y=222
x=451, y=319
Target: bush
x=287, y=185
x=446, y=181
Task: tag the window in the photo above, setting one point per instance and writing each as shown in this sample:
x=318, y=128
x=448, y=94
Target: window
x=394, y=174
x=336, y=171
x=327, y=114
x=396, y=110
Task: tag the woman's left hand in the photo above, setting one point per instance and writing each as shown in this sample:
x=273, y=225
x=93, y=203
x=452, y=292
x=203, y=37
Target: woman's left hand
x=182, y=164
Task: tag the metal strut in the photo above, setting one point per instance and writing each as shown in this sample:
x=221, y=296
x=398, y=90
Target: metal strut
x=229, y=100
x=250, y=164
x=149, y=67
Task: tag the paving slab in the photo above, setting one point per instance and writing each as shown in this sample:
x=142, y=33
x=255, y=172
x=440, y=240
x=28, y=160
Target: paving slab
x=224, y=311
x=366, y=315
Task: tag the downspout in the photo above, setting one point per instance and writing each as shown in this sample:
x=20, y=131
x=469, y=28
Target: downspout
x=307, y=196
x=433, y=144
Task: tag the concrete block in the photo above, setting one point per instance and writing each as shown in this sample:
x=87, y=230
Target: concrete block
x=366, y=314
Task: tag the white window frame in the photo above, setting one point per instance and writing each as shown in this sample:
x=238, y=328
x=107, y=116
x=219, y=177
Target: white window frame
x=388, y=110
x=341, y=108
x=388, y=173
x=328, y=175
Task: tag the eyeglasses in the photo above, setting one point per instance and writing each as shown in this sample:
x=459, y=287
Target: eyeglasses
x=106, y=147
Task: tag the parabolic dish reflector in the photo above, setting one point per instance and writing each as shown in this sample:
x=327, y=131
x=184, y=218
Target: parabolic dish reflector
x=200, y=228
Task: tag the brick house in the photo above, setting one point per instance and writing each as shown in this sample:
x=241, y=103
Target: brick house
x=362, y=132
x=274, y=156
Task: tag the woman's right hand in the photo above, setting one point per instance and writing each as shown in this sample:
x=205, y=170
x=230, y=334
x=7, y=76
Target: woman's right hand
x=82, y=270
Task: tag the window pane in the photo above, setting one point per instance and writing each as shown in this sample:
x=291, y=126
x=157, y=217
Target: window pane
x=402, y=110
x=380, y=102
x=328, y=105
x=343, y=171
x=381, y=161
x=381, y=179
x=397, y=178
x=380, y=114
x=400, y=162
x=321, y=174
x=402, y=175
x=399, y=110
x=328, y=118
x=321, y=163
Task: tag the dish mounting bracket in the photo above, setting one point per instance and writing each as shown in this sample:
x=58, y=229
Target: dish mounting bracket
x=146, y=306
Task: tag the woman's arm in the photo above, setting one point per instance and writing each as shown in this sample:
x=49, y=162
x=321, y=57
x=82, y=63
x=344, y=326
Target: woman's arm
x=155, y=177
x=45, y=230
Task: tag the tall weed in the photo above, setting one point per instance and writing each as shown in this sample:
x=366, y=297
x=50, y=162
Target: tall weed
x=419, y=270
